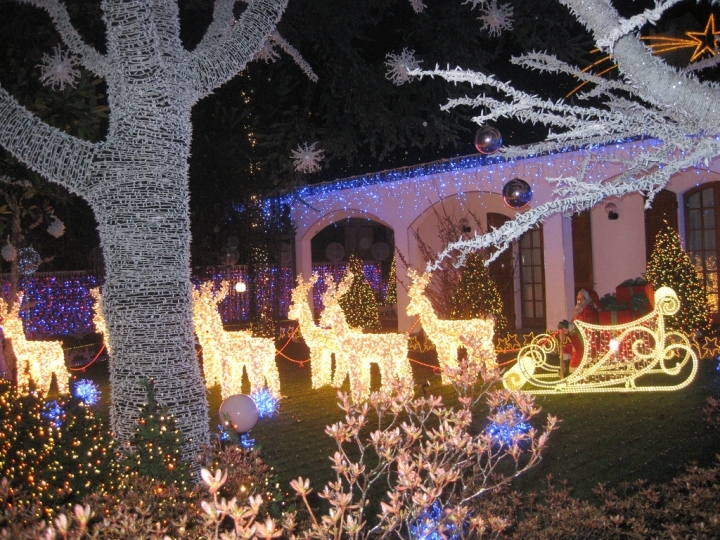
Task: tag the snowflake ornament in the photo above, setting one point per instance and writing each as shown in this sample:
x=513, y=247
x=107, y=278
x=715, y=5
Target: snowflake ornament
x=306, y=159
x=59, y=69
x=400, y=66
x=476, y=3
x=496, y=18
x=56, y=228
x=8, y=252
x=417, y=5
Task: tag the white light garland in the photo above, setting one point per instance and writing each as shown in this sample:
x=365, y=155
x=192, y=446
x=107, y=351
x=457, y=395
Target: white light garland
x=633, y=357
x=322, y=342
x=475, y=335
x=227, y=355
x=359, y=350
x=35, y=360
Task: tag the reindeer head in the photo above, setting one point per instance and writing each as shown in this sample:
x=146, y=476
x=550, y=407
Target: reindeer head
x=300, y=296
x=416, y=292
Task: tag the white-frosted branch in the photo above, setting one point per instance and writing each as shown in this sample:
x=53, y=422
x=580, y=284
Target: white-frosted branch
x=295, y=55
x=576, y=194
x=651, y=79
x=221, y=58
x=633, y=24
x=90, y=58
x=221, y=25
x=55, y=155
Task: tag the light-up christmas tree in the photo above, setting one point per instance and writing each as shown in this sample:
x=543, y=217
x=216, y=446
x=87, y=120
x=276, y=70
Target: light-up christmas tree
x=477, y=296
x=53, y=452
x=670, y=266
x=156, y=445
x=359, y=303
x=391, y=291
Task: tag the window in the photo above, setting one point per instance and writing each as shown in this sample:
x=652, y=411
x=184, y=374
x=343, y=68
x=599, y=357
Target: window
x=532, y=279
x=701, y=213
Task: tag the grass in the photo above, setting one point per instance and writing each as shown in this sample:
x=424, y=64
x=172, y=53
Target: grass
x=608, y=438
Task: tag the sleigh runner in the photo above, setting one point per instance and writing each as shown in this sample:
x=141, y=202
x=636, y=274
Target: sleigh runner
x=638, y=356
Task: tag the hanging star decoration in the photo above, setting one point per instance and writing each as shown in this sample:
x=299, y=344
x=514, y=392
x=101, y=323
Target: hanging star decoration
x=496, y=18
x=306, y=158
x=58, y=70
x=400, y=66
x=703, y=42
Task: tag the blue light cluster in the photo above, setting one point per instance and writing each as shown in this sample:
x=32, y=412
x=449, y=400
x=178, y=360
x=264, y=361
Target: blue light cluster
x=504, y=433
x=371, y=271
x=87, y=391
x=54, y=412
x=426, y=526
x=266, y=403
x=56, y=305
x=246, y=442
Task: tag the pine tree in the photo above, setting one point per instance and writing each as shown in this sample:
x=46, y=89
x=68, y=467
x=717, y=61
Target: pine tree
x=391, y=291
x=55, y=452
x=359, y=303
x=670, y=266
x=476, y=295
x=155, y=450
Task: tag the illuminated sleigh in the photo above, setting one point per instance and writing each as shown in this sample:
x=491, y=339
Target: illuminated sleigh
x=639, y=356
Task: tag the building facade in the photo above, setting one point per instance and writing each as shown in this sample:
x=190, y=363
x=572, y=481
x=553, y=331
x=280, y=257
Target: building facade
x=596, y=249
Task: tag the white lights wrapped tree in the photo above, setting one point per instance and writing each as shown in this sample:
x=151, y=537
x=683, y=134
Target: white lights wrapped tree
x=651, y=99
x=136, y=182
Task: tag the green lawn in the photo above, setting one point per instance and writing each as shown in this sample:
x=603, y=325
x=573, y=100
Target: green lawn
x=607, y=438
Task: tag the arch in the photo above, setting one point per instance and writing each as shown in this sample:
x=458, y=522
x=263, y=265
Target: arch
x=338, y=215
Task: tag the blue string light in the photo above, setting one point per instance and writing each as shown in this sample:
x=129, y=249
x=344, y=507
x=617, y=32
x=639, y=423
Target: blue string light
x=266, y=403
x=427, y=525
x=53, y=411
x=505, y=432
x=87, y=391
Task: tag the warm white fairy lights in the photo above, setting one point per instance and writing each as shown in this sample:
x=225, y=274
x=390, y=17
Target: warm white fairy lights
x=99, y=318
x=227, y=355
x=639, y=356
x=321, y=341
x=35, y=360
x=359, y=350
x=475, y=335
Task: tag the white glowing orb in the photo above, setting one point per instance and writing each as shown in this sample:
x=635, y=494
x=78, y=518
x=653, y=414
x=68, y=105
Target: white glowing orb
x=240, y=287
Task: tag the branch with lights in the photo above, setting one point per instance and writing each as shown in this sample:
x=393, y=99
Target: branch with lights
x=358, y=350
x=630, y=357
x=226, y=355
x=475, y=335
x=36, y=361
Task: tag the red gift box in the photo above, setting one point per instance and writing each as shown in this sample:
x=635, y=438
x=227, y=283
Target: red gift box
x=625, y=292
x=608, y=318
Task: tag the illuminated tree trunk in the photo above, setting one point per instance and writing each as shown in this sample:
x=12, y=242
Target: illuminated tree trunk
x=136, y=182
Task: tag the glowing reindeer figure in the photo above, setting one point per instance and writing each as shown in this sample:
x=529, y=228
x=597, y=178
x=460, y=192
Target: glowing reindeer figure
x=99, y=318
x=320, y=341
x=359, y=350
x=226, y=354
x=448, y=336
x=36, y=360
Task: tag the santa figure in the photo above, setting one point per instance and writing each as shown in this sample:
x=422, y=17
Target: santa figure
x=586, y=309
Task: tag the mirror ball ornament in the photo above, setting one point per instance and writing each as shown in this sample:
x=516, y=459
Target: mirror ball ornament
x=488, y=140
x=517, y=193
x=242, y=411
x=28, y=261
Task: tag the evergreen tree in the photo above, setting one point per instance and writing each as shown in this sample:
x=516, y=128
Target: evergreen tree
x=670, y=266
x=359, y=303
x=391, y=291
x=155, y=450
x=476, y=295
x=55, y=451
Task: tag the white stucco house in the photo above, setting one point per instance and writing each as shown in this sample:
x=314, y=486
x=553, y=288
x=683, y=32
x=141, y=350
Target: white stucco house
x=553, y=261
